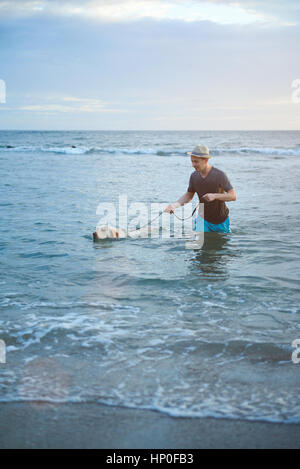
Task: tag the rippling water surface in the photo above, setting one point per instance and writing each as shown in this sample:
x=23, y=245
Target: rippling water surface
x=147, y=323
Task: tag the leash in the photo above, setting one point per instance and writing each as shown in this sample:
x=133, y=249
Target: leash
x=187, y=218
x=161, y=212
x=150, y=223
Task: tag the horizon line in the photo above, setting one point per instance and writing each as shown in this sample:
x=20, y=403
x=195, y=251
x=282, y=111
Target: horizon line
x=149, y=130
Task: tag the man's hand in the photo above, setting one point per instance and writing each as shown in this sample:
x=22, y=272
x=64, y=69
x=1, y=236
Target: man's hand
x=170, y=208
x=209, y=197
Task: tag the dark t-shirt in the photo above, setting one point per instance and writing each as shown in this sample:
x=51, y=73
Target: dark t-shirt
x=216, y=181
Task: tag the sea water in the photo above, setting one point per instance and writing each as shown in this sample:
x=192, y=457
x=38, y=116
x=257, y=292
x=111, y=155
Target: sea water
x=147, y=323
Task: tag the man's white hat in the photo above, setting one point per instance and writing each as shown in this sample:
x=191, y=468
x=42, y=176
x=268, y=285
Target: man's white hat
x=201, y=151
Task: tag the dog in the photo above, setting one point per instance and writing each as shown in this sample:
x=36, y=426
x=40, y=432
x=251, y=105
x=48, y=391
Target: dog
x=110, y=232
x=107, y=231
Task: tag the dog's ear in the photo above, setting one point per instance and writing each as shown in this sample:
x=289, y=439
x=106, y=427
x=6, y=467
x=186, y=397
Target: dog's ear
x=117, y=234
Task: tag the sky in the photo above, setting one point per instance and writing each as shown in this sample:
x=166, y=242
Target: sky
x=149, y=64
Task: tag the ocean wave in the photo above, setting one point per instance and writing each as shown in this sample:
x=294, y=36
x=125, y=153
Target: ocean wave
x=82, y=150
x=129, y=354
x=9, y=300
x=91, y=329
x=260, y=150
x=73, y=150
x=36, y=391
x=172, y=412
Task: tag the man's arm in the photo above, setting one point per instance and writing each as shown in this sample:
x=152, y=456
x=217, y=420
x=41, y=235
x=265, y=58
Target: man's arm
x=184, y=199
x=229, y=196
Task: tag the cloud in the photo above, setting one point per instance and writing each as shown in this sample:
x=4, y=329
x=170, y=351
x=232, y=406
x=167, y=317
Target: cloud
x=71, y=72
x=283, y=12
x=222, y=12
x=77, y=105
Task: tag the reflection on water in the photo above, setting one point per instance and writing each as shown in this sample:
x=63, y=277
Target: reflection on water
x=211, y=261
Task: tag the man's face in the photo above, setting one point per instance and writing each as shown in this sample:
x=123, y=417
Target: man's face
x=199, y=164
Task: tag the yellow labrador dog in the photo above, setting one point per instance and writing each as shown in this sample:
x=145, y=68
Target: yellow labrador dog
x=110, y=232
x=107, y=231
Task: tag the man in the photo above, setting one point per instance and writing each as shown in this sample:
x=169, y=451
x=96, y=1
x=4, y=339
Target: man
x=213, y=189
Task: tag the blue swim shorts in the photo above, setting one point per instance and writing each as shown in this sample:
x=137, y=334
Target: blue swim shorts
x=202, y=225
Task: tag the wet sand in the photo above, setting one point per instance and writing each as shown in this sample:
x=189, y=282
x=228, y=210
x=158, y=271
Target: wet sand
x=90, y=425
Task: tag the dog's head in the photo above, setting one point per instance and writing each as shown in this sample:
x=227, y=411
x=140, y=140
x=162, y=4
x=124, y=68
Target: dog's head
x=107, y=231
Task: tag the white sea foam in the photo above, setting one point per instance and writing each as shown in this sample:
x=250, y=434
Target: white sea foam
x=81, y=150
x=261, y=150
x=67, y=150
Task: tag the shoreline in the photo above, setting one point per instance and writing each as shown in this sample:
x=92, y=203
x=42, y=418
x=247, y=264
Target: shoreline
x=92, y=425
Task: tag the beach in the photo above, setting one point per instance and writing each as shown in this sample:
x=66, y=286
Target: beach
x=24, y=425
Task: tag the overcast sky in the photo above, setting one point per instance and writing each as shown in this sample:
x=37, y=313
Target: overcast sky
x=149, y=64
